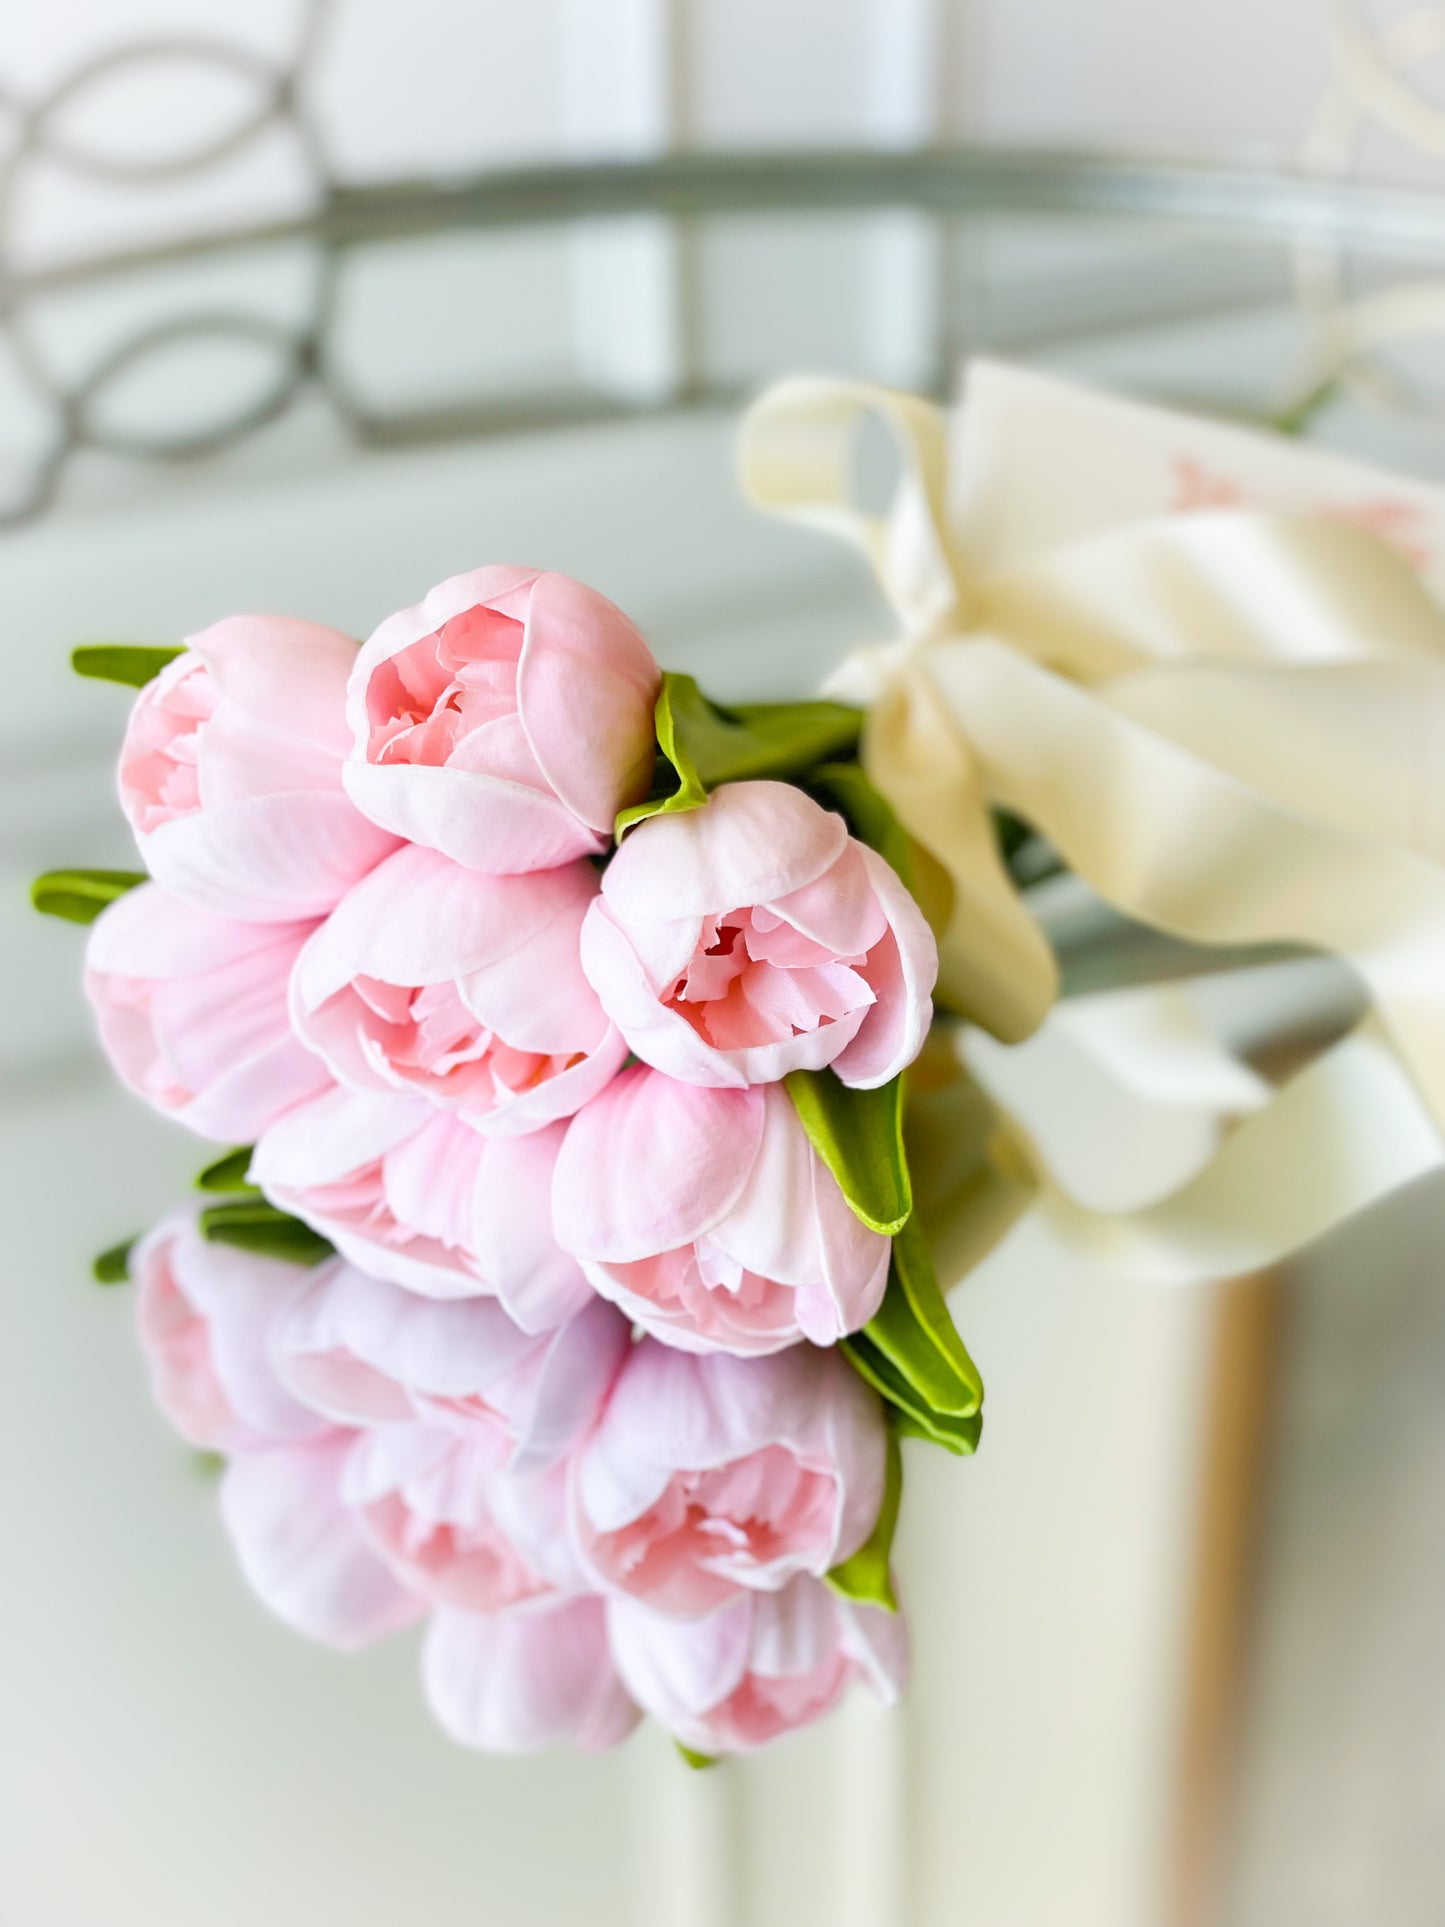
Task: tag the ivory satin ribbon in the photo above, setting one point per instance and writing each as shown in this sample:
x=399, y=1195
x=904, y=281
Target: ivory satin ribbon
x=1179, y=652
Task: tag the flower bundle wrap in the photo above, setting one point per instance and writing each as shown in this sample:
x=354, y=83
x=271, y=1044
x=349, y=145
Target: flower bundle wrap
x=560, y=1018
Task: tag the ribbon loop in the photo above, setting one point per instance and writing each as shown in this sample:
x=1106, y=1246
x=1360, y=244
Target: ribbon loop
x=1229, y=723
x=797, y=449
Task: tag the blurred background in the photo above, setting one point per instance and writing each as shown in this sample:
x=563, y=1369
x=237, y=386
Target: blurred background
x=282, y=326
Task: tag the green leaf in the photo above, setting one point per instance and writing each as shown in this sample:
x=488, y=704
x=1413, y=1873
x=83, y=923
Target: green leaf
x=913, y=1416
x=80, y=895
x=701, y=745
x=868, y=814
x=700, y=1762
x=865, y=1577
x=914, y=1332
x=253, y=1225
x=113, y=1267
x=859, y=1136
x=959, y=1436
x=228, y=1174
x=121, y=662
x=208, y=1465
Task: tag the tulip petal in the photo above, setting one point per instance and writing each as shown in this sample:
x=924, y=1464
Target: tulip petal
x=303, y=1552
x=421, y=919
x=251, y=657
x=586, y=686
x=651, y=1164
x=269, y=859
x=839, y=909
x=902, y=971
x=877, y=1642
x=578, y=1370
x=151, y=934
x=749, y=843
x=793, y=1224
x=482, y=822
x=333, y=1136
x=540, y=1285
x=242, y=1298
x=355, y=1348
x=529, y=1679
x=677, y=1669
x=490, y=586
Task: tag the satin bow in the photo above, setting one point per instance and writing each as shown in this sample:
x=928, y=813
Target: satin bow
x=1183, y=654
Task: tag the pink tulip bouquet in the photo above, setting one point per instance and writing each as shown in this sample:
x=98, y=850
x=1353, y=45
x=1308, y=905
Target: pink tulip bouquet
x=565, y=1290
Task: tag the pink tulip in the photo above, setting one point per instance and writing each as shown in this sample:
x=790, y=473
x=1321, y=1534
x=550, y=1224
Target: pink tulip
x=504, y=721
x=304, y=1551
x=762, y=1666
x=230, y=774
x=192, y=1013
x=433, y=981
x=206, y=1315
x=362, y=1352
x=541, y=1676
x=753, y=937
x=457, y=1525
x=413, y=1196
x=707, y=1474
x=709, y=1218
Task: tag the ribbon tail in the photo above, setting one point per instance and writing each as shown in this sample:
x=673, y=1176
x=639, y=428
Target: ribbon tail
x=1172, y=840
x=1344, y=1134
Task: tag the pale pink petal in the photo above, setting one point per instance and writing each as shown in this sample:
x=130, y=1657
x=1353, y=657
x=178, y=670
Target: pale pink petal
x=669, y=1410
x=533, y=993
x=421, y=919
x=429, y=1181
x=902, y=972
x=651, y=1163
x=355, y=1348
x=794, y=1631
x=488, y=586
x=203, y=1035
x=425, y=1496
x=231, y=772
x=703, y=1321
x=350, y=1162
x=676, y=1669
x=784, y=1661
x=242, y=1298
x=581, y=1364
x=268, y=859
x=512, y=1234
x=705, y=1473
x=150, y=933
x=792, y=1223
x=657, y=1034
x=175, y=1337
x=240, y=758
x=877, y=1643
x=839, y=910
x=556, y=1097
x=465, y=989
x=252, y=657
x=586, y=686
x=332, y=1136
x=529, y=1680
x=749, y=843
x=483, y=822
x=303, y=1552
